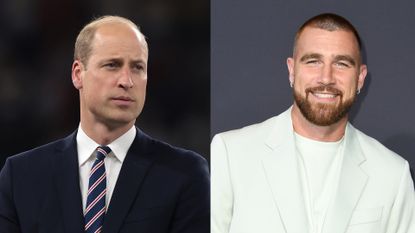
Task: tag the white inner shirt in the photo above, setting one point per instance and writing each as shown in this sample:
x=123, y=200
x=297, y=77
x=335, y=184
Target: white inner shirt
x=320, y=168
x=113, y=161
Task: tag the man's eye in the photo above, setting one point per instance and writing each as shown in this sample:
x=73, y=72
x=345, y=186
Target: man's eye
x=342, y=64
x=111, y=65
x=312, y=62
x=138, y=67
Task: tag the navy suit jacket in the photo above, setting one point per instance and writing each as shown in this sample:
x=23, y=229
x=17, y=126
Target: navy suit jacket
x=160, y=188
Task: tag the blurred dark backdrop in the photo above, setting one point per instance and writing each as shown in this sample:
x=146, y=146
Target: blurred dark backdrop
x=38, y=103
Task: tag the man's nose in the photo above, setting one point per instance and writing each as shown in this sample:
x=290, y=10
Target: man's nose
x=326, y=76
x=125, y=80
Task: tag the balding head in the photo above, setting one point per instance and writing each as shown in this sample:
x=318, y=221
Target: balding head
x=83, y=44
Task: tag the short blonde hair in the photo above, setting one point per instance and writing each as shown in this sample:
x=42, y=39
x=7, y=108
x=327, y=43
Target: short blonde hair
x=83, y=44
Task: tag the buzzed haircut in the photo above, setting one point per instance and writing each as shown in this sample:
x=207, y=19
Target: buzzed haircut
x=329, y=22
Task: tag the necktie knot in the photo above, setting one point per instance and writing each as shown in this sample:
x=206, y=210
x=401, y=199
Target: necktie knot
x=102, y=152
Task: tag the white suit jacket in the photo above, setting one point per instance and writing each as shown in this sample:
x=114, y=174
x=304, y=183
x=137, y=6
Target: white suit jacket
x=255, y=184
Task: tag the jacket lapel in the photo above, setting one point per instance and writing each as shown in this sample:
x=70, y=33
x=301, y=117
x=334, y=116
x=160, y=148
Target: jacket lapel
x=282, y=173
x=283, y=176
x=67, y=185
x=352, y=182
x=134, y=168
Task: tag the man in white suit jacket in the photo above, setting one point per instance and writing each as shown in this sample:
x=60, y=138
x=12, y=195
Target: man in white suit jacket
x=271, y=178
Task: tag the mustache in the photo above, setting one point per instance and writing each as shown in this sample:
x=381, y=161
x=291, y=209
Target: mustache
x=324, y=88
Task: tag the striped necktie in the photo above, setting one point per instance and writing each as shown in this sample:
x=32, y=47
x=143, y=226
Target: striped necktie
x=97, y=187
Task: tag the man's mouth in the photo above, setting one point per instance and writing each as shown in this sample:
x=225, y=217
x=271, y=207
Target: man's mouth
x=324, y=95
x=324, y=92
x=123, y=98
x=122, y=101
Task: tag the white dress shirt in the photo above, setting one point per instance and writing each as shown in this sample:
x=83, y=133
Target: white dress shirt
x=113, y=162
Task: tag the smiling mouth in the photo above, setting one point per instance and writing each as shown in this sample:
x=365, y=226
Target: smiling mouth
x=324, y=95
x=324, y=92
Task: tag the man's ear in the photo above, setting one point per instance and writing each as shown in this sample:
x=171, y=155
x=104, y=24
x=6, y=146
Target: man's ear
x=362, y=76
x=77, y=74
x=290, y=66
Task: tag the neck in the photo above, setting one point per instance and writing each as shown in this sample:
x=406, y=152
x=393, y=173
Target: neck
x=104, y=134
x=307, y=129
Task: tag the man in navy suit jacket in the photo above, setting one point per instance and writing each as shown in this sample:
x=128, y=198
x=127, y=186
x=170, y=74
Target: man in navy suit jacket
x=151, y=186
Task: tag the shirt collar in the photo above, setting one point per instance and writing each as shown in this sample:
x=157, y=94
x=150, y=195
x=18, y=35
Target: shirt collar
x=86, y=145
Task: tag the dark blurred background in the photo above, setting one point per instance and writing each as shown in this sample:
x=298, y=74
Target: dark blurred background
x=38, y=103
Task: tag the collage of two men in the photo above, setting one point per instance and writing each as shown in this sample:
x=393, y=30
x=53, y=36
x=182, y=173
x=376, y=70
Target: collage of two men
x=207, y=117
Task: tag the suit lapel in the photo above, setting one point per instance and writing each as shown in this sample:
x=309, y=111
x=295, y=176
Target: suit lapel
x=67, y=186
x=352, y=181
x=134, y=168
x=281, y=170
x=283, y=176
